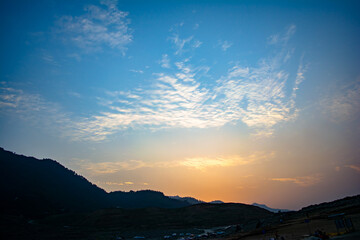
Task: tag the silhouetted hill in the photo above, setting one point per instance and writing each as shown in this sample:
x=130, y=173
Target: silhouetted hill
x=41, y=199
x=202, y=215
x=36, y=187
x=216, y=202
x=274, y=210
x=136, y=200
x=347, y=202
x=189, y=200
x=193, y=201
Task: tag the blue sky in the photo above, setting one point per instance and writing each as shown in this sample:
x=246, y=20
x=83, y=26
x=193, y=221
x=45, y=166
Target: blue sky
x=132, y=93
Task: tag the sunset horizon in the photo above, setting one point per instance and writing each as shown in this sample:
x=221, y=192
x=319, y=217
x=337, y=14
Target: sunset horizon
x=237, y=101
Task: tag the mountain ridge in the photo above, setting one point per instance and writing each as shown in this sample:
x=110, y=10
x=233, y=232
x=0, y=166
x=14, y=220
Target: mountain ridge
x=274, y=210
x=31, y=178
x=45, y=186
x=190, y=200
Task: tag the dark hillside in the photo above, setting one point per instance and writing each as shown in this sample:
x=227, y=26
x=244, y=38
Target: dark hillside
x=36, y=187
x=134, y=220
x=143, y=199
x=341, y=203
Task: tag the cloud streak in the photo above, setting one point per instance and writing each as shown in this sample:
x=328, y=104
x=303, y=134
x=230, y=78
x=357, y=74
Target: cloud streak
x=34, y=109
x=100, y=26
x=165, y=61
x=282, y=38
x=180, y=43
x=201, y=163
x=304, y=181
x=225, y=45
x=196, y=163
x=344, y=104
x=354, y=167
x=256, y=96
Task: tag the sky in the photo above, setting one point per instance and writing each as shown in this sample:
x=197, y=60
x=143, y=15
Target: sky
x=239, y=101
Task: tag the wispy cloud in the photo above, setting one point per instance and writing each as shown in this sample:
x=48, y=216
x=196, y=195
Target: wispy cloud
x=180, y=43
x=196, y=44
x=273, y=39
x=354, y=167
x=225, y=45
x=108, y=183
x=75, y=56
x=114, y=183
x=33, y=109
x=100, y=26
x=175, y=27
x=75, y=94
x=202, y=163
x=136, y=71
x=284, y=37
x=175, y=101
x=254, y=95
x=49, y=59
x=257, y=96
x=113, y=167
x=165, y=61
x=196, y=163
x=304, y=181
x=344, y=104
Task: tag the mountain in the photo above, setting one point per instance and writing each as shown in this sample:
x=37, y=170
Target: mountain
x=202, y=215
x=193, y=201
x=189, y=200
x=144, y=199
x=350, y=202
x=41, y=199
x=274, y=210
x=36, y=187
x=216, y=202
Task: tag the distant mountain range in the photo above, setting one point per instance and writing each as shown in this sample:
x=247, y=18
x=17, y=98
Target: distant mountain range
x=193, y=201
x=41, y=199
x=216, y=202
x=189, y=200
x=39, y=187
x=34, y=187
x=274, y=210
x=143, y=199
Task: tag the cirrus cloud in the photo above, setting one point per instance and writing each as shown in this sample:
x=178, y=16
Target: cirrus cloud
x=196, y=163
x=100, y=26
x=304, y=181
x=255, y=96
x=261, y=96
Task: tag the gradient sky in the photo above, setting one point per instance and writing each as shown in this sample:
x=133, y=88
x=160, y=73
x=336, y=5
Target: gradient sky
x=242, y=101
